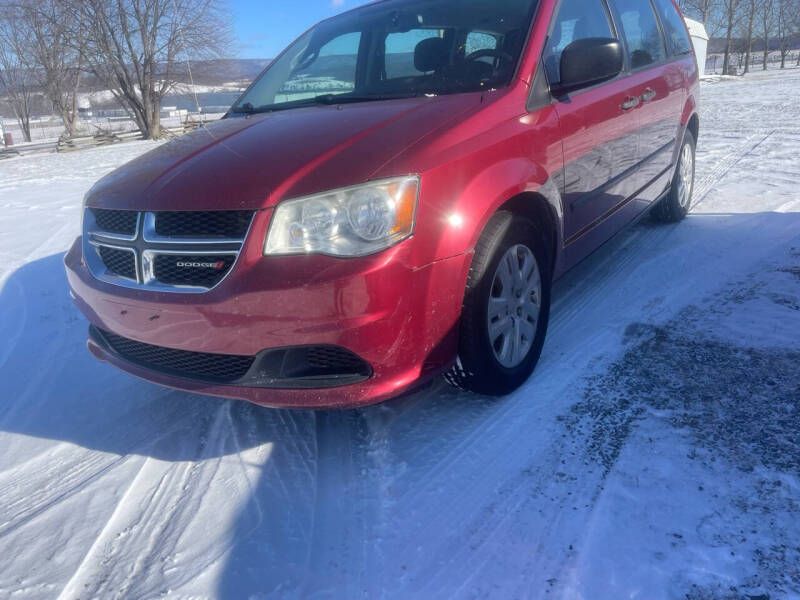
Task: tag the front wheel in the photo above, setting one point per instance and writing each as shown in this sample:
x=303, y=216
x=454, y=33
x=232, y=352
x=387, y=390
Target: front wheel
x=506, y=307
x=676, y=204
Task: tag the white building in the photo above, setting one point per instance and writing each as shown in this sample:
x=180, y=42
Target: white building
x=700, y=41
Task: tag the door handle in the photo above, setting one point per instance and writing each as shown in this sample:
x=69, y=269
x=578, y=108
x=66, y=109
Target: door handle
x=648, y=95
x=630, y=103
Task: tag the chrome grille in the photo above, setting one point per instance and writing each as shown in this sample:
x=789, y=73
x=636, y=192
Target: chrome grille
x=186, y=251
x=180, y=269
x=120, y=222
x=207, y=224
x=121, y=262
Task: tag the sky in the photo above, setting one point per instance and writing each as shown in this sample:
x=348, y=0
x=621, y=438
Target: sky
x=265, y=27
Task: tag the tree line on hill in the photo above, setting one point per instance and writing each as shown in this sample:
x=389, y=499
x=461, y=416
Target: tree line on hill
x=136, y=49
x=744, y=27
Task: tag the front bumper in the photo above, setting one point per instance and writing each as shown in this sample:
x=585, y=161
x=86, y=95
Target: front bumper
x=400, y=319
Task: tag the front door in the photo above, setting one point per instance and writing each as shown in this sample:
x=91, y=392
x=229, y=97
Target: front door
x=599, y=129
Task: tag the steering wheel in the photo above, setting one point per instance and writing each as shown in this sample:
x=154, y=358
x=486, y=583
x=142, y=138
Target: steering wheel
x=493, y=53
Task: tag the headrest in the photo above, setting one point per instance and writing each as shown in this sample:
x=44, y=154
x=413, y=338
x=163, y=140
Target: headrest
x=430, y=55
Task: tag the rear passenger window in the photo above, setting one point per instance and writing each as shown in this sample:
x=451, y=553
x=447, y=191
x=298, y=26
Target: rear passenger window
x=576, y=20
x=674, y=28
x=641, y=30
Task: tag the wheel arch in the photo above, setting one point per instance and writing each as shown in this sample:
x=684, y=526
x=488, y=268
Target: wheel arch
x=694, y=126
x=536, y=207
x=517, y=185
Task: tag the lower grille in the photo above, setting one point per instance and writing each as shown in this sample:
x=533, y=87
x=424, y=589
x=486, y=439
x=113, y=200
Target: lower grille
x=119, y=262
x=301, y=367
x=334, y=359
x=192, y=270
x=219, y=368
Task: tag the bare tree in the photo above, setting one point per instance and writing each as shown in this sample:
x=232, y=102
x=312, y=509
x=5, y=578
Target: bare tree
x=749, y=8
x=785, y=29
x=766, y=20
x=134, y=47
x=731, y=10
x=706, y=11
x=796, y=13
x=16, y=75
x=58, y=48
x=738, y=50
x=701, y=9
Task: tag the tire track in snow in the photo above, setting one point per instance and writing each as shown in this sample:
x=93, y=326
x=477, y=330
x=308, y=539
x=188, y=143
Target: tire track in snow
x=25, y=498
x=704, y=187
x=140, y=540
x=343, y=508
x=73, y=588
x=47, y=479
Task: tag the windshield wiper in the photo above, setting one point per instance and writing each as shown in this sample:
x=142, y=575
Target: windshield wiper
x=325, y=100
x=332, y=99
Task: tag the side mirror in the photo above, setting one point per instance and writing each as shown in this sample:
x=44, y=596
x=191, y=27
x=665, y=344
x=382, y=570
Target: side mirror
x=589, y=61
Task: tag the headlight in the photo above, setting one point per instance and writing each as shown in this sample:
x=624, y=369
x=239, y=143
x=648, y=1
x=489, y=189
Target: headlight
x=354, y=221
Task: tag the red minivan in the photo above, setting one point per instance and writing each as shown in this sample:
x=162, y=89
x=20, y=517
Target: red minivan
x=391, y=200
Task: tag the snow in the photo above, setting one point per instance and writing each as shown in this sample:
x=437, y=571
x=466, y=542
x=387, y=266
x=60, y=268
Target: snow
x=654, y=454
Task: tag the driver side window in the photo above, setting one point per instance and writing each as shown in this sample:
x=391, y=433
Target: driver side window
x=400, y=48
x=480, y=41
x=576, y=20
x=477, y=41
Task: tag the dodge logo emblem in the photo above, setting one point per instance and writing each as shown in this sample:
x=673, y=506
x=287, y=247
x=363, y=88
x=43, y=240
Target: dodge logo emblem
x=200, y=265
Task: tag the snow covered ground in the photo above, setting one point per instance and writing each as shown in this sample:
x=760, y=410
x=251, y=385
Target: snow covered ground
x=654, y=454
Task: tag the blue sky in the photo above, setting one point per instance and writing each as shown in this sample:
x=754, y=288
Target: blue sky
x=265, y=27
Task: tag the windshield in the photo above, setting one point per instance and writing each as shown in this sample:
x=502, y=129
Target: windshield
x=397, y=48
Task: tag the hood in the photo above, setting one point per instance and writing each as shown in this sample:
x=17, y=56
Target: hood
x=256, y=161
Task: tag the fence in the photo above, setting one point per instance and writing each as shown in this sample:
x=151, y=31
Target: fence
x=50, y=130
x=101, y=138
x=714, y=62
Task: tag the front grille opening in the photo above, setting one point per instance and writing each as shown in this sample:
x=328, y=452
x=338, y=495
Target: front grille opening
x=302, y=367
x=120, y=222
x=218, y=368
x=119, y=262
x=332, y=358
x=199, y=271
x=232, y=224
x=306, y=366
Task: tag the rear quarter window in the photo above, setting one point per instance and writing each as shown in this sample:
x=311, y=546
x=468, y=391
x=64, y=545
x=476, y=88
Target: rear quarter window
x=674, y=28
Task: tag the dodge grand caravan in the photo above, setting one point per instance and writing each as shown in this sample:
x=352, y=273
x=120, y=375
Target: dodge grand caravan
x=391, y=200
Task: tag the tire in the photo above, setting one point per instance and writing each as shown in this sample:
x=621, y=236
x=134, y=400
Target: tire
x=489, y=363
x=676, y=204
